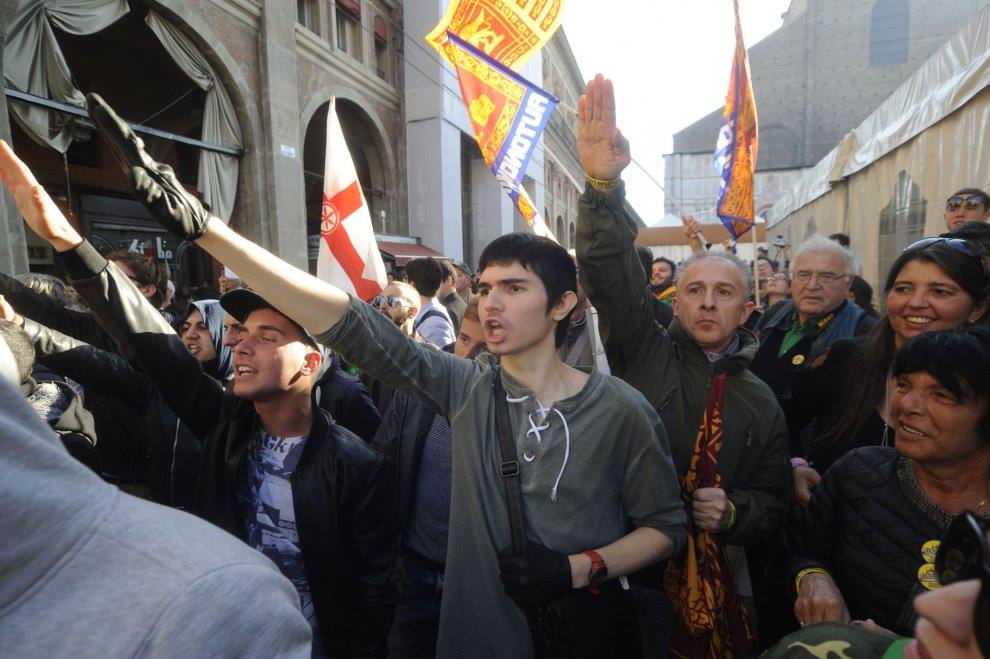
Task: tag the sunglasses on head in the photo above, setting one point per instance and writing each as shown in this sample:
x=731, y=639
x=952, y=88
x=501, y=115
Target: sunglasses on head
x=971, y=201
x=965, y=554
x=390, y=300
x=966, y=247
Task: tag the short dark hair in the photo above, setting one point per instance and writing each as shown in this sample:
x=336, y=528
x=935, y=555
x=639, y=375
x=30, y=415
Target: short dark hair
x=21, y=347
x=543, y=257
x=958, y=359
x=147, y=270
x=972, y=191
x=840, y=238
x=862, y=294
x=664, y=259
x=448, y=270
x=425, y=274
x=976, y=230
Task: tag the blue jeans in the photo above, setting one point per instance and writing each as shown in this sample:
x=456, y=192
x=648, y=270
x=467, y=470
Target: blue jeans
x=417, y=612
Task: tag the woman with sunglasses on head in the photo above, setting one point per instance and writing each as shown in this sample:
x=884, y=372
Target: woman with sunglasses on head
x=840, y=398
x=866, y=543
x=967, y=205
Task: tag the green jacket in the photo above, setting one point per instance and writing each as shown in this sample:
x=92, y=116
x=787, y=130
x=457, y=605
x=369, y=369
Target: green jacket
x=674, y=374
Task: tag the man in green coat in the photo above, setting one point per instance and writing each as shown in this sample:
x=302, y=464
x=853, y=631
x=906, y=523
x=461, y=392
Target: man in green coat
x=692, y=373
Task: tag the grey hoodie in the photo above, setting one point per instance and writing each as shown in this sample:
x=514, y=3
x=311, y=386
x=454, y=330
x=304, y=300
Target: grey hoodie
x=88, y=571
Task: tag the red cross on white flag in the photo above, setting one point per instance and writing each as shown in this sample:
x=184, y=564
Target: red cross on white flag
x=349, y=256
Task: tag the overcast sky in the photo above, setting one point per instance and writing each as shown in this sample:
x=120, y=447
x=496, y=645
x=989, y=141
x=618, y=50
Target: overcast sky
x=670, y=62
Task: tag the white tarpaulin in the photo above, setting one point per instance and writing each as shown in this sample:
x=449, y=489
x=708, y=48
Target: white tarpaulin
x=217, y=172
x=946, y=82
x=33, y=62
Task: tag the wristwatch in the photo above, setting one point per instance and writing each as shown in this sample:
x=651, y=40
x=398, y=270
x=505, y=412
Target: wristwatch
x=598, y=572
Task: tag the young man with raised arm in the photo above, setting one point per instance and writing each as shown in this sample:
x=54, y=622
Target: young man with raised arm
x=276, y=470
x=597, y=481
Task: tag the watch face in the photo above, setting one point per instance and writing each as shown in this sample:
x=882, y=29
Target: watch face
x=599, y=575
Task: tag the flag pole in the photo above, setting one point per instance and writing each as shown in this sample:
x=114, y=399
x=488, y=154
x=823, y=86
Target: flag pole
x=756, y=270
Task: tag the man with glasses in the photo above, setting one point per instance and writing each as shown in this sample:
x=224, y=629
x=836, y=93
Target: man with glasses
x=796, y=331
x=400, y=302
x=967, y=205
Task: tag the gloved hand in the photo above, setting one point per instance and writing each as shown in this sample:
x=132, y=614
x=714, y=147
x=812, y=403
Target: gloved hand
x=153, y=183
x=537, y=576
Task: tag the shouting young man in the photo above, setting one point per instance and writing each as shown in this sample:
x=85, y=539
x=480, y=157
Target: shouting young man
x=600, y=497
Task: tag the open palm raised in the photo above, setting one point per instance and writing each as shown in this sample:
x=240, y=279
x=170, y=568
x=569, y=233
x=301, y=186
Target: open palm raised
x=604, y=152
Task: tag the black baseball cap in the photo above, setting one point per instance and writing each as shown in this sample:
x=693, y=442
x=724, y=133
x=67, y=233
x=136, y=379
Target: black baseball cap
x=240, y=302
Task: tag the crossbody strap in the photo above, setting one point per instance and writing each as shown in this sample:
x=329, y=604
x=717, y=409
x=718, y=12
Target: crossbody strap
x=510, y=465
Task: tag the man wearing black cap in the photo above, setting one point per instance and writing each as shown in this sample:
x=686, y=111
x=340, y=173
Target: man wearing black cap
x=276, y=470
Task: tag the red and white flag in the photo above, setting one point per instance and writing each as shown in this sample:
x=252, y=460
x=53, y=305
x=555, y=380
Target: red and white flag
x=349, y=256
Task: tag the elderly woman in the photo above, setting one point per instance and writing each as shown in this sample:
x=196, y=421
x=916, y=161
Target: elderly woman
x=865, y=545
x=935, y=284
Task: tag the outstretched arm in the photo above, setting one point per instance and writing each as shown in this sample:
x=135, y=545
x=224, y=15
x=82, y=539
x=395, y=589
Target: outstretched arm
x=134, y=325
x=367, y=339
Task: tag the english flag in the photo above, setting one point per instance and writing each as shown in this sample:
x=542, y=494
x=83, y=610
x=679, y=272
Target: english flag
x=349, y=256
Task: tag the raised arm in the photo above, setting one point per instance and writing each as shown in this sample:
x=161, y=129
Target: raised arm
x=367, y=339
x=610, y=269
x=46, y=311
x=138, y=329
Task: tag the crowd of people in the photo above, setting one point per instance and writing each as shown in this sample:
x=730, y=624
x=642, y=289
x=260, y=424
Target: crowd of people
x=604, y=454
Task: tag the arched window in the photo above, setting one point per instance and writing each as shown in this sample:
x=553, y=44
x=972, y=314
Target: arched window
x=560, y=228
x=902, y=221
x=573, y=237
x=889, y=32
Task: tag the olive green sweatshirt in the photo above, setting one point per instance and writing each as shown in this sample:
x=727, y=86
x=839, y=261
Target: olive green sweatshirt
x=675, y=375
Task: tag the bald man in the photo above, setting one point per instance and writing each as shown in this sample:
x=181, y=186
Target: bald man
x=400, y=302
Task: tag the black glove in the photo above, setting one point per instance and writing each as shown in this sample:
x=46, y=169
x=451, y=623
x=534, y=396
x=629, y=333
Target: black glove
x=153, y=183
x=538, y=576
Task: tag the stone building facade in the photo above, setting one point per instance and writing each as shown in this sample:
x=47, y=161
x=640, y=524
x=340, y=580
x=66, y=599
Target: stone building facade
x=815, y=78
x=280, y=63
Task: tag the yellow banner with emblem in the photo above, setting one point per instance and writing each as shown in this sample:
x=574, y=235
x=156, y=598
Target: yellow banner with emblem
x=508, y=31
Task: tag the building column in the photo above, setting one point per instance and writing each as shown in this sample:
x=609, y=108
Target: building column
x=282, y=220
x=13, y=248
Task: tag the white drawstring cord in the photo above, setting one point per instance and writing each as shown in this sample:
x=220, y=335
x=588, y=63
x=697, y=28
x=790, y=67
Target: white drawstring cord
x=535, y=429
x=567, y=454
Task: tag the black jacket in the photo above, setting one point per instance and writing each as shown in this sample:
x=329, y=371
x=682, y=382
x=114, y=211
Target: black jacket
x=349, y=402
x=342, y=490
x=821, y=393
x=867, y=523
x=148, y=444
x=401, y=437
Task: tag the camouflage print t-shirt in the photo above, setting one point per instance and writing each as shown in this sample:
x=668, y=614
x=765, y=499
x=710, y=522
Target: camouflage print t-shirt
x=266, y=501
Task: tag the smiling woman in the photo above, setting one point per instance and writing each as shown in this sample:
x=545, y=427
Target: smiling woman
x=866, y=543
x=935, y=284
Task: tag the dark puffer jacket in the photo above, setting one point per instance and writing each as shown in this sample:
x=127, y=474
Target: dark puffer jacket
x=866, y=524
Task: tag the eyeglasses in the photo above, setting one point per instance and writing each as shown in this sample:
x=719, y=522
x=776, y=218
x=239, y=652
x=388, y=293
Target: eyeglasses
x=391, y=300
x=966, y=247
x=972, y=202
x=964, y=553
x=824, y=278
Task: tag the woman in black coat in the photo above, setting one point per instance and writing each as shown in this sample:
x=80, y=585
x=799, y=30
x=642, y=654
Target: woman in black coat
x=865, y=545
x=839, y=399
